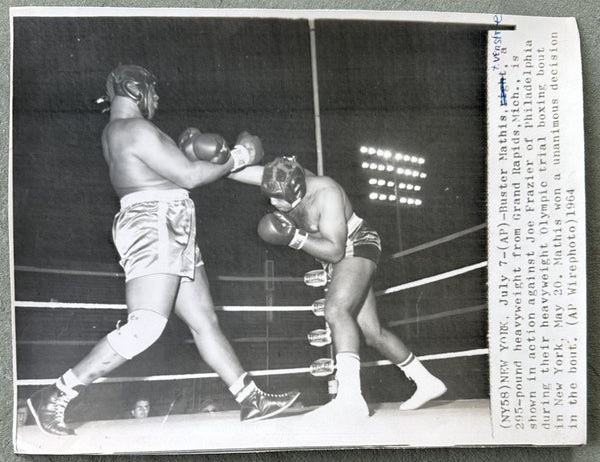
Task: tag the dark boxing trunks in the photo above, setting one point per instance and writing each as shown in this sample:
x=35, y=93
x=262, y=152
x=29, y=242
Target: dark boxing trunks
x=363, y=241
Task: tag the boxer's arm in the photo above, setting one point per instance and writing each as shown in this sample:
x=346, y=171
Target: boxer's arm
x=253, y=175
x=161, y=154
x=333, y=229
x=250, y=175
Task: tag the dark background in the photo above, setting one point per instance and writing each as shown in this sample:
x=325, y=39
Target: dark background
x=586, y=13
x=418, y=88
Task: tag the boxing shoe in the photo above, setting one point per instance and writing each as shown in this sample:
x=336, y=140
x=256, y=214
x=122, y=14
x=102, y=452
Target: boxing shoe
x=258, y=405
x=48, y=407
x=428, y=386
x=342, y=409
x=427, y=390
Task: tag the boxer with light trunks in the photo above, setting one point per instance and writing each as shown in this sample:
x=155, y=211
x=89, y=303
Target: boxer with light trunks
x=154, y=233
x=315, y=214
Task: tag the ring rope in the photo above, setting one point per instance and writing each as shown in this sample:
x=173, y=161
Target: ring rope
x=33, y=269
x=26, y=304
x=469, y=309
x=236, y=308
x=206, y=375
x=455, y=354
x=450, y=237
x=439, y=241
x=428, y=280
x=260, y=279
x=185, y=341
x=122, y=306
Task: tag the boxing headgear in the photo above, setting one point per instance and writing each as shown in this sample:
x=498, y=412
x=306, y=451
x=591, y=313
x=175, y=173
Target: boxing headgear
x=284, y=179
x=133, y=82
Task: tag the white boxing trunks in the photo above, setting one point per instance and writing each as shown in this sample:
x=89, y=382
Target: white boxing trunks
x=155, y=233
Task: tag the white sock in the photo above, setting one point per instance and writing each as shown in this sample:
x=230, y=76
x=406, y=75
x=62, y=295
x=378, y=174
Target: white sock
x=411, y=357
x=414, y=369
x=428, y=386
x=71, y=380
x=239, y=385
x=348, y=374
x=349, y=403
x=67, y=383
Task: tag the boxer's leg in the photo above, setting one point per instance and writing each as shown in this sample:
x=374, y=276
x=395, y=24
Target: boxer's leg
x=149, y=300
x=390, y=346
x=194, y=305
x=350, y=283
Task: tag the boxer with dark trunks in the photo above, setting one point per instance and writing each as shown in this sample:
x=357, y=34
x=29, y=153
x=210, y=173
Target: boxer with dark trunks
x=154, y=233
x=315, y=214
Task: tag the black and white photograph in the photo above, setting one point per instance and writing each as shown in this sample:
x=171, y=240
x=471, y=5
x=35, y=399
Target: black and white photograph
x=269, y=230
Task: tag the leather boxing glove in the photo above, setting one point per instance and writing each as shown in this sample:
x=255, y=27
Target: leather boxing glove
x=248, y=150
x=210, y=147
x=186, y=141
x=279, y=229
